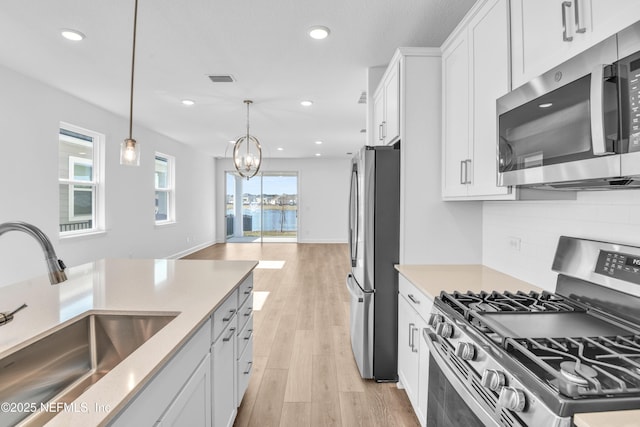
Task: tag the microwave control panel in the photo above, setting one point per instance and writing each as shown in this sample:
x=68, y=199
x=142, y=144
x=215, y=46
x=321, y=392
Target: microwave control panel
x=634, y=105
x=619, y=265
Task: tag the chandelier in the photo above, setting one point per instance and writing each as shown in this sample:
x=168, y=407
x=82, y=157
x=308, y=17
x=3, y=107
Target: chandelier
x=247, y=152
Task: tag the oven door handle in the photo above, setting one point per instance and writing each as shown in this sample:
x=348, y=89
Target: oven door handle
x=461, y=387
x=596, y=100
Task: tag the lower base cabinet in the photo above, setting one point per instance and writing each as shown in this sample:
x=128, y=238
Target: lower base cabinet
x=204, y=382
x=224, y=378
x=192, y=406
x=413, y=354
x=184, y=382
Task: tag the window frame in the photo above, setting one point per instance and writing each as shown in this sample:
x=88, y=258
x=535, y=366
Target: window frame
x=169, y=189
x=96, y=183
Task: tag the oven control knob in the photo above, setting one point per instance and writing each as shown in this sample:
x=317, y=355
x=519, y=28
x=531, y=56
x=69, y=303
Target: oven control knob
x=512, y=399
x=434, y=319
x=444, y=329
x=493, y=379
x=466, y=351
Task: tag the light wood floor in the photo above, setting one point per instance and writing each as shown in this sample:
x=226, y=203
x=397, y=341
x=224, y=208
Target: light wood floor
x=304, y=372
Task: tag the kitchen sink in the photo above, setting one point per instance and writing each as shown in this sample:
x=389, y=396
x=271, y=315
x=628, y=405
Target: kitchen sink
x=62, y=364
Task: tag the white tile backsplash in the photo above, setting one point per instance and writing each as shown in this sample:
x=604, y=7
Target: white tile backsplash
x=611, y=216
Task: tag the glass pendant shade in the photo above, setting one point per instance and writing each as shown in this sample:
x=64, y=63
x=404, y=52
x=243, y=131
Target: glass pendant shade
x=247, y=152
x=130, y=152
x=129, y=148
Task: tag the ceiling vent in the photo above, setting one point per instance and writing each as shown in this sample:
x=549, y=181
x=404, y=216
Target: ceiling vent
x=363, y=98
x=222, y=78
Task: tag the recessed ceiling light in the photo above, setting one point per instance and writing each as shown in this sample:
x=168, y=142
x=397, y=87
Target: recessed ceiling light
x=280, y=149
x=318, y=154
x=188, y=102
x=306, y=103
x=72, y=35
x=546, y=105
x=318, y=32
x=318, y=142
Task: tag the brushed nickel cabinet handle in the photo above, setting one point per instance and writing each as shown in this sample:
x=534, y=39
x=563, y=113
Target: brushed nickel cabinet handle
x=232, y=332
x=576, y=9
x=467, y=163
x=565, y=35
x=413, y=347
x=249, y=365
x=413, y=299
x=231, y=313
x=411, y=325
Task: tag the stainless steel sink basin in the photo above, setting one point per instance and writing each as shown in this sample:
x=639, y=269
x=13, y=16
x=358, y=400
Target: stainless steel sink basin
x=62, y=364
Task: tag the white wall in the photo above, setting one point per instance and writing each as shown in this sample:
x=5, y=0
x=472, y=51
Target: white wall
x=610, y=216
x=30, y=116
x=323, y=201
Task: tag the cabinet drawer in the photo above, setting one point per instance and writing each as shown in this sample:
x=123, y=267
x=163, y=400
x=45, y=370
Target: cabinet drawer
x=244, y=370
x=225, y=315
x=245, y=336
x=245, y=289
x=416, y=299
x=245, y=312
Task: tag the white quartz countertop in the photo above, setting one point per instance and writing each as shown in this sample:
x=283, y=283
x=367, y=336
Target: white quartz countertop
x=432, y=279
x=190, y=288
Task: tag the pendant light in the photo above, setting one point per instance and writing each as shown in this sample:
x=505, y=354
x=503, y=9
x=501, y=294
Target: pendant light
x=247, y=152
x=130, y=149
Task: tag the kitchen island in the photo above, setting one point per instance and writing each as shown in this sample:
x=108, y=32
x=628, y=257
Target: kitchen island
x=189, y=289
x=431, y=280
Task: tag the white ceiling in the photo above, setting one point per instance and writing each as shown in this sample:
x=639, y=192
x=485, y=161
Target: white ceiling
x=262, y=43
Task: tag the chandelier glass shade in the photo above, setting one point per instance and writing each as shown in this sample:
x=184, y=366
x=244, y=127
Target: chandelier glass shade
x=247, y=152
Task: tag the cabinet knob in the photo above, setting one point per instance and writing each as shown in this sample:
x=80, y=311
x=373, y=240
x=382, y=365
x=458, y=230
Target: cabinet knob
x=493, y=379
x=466, y=351
x=512, y=398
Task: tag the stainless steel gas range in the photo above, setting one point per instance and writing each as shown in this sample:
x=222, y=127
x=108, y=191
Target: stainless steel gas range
x=537, y=358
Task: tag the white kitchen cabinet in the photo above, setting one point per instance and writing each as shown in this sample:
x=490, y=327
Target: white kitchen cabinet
x=244, y=342
x=178, y=386
x=386, y=107
x=475, y=67
x=192, y=406
x=413, y=353
x=223, y=360
x=545, y=33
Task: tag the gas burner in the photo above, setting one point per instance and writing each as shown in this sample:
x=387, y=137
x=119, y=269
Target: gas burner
x=577, y=373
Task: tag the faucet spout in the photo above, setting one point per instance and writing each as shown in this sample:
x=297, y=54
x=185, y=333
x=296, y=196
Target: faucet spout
x=55, y=266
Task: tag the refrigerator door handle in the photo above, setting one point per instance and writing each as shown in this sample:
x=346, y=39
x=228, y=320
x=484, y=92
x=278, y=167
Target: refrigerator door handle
x=353, y=216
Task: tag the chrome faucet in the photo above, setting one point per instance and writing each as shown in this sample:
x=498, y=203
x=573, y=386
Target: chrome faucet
x=56, y=266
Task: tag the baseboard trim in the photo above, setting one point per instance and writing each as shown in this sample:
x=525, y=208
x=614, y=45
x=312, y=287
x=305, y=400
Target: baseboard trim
x=191, y=250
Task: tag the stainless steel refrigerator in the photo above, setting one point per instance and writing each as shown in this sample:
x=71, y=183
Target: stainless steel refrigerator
x=374, y=229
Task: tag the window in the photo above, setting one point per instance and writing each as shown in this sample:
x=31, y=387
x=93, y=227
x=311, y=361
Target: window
x=80, y=182
x=165, y=192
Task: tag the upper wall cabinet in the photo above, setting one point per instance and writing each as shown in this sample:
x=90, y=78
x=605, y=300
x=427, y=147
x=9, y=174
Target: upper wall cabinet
x=475, y=67
x=386, y=107
x=545, y=33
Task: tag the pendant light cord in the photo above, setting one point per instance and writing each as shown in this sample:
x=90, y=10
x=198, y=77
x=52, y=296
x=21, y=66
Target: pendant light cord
x=133, y=64
x=248, y=102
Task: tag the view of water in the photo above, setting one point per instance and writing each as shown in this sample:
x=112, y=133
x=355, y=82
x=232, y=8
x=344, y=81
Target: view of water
x=274, y=219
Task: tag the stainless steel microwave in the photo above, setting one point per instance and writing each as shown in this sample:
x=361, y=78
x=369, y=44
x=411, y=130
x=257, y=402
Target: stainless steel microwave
x=578, y=125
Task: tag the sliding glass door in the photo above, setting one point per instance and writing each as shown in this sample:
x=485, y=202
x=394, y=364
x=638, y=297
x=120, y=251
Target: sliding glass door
x=263, y=208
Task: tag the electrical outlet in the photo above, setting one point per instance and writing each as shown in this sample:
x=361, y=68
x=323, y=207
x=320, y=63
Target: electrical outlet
x=515, y=243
